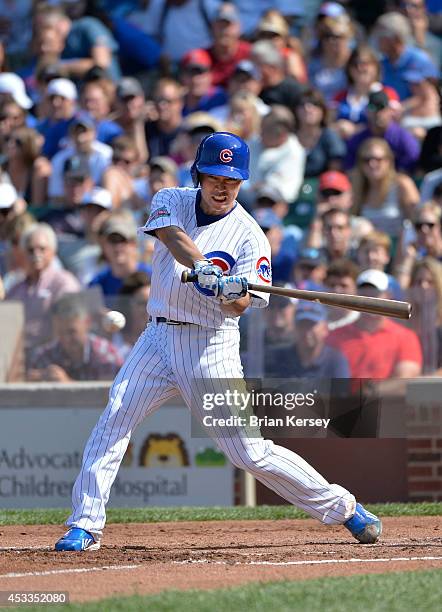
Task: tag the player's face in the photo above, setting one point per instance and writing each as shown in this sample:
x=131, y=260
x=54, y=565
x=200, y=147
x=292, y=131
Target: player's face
x=218, y=193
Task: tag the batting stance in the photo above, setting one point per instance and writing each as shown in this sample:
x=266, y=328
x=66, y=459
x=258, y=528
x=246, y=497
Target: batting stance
x=193, y=334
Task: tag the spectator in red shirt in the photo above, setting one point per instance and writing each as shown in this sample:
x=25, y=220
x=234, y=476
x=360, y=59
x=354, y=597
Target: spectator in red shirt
x=228, y=49
x=75, y=353
x=377, y=347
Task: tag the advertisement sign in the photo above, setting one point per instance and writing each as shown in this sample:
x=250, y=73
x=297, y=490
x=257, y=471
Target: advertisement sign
x=41, y=451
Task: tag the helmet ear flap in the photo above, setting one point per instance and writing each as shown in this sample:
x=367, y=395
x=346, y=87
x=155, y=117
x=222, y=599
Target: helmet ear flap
x=194, y=169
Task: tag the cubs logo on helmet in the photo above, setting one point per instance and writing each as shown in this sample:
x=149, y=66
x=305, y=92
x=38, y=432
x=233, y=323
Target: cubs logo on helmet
x=219, y=258
x=264, y=270
x=226, y=156
x=221, y=154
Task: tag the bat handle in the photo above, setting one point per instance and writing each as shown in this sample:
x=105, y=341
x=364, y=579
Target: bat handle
x=189, y=276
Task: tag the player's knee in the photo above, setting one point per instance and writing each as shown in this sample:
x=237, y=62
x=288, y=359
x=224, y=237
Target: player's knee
x=253, y=457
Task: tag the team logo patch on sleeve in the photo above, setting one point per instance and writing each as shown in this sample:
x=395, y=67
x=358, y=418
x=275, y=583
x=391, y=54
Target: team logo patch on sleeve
x=158, y=213
x=226, y=156
x=264, y=270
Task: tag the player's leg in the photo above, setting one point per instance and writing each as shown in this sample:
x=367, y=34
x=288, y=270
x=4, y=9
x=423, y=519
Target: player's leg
x=140, y=387
x=214, y=356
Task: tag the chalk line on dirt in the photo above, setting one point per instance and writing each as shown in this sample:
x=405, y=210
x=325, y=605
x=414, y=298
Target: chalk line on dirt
x=75, y=570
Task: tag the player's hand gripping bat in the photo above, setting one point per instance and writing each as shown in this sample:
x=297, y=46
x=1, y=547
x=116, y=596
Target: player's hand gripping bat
x=372, y=305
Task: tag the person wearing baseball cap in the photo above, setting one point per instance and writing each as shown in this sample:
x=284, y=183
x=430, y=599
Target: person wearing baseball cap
x=334, y=189
x=65, y=218
x=377, y=347
x=309, y=269
x=196, y=76
x=308, y=356
x=228, y=48
x=61, y=96
x=327, y=68
x=98, y=197
x=11, y=84
x=275, y=28
x=335, y=192
x=8, y=210
x=131, y=114
x=163, y=174
x=382, y=124
x=118, y=238
x=82, y=132
x=93, y=203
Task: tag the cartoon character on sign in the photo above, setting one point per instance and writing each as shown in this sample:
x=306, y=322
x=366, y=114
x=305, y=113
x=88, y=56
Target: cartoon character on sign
x=168, y=451
x=264, y=270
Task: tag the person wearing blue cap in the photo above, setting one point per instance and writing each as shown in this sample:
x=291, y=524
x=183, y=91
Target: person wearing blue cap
x=308, y=356
x=83, y=143
x=310, y=269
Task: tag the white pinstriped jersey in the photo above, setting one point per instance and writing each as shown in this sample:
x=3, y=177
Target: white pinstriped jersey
x=235, y=242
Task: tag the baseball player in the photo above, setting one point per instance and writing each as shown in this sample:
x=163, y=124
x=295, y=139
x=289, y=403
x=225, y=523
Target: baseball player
x=193, y=335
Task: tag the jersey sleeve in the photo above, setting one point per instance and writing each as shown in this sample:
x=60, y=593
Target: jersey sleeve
x=254, y=263
x=165, y=212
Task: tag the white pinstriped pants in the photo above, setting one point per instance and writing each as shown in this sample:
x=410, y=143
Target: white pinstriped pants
x=160, y=366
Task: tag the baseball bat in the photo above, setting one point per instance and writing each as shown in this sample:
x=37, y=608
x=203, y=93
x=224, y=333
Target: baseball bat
x=371, y=305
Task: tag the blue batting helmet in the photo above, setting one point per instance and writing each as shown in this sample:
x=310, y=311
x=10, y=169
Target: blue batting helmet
x=221, y=154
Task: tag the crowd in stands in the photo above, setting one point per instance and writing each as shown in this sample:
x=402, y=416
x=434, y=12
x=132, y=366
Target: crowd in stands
x=104, y=103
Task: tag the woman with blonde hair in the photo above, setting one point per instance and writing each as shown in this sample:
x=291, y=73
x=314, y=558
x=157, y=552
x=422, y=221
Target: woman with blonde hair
x=243, y=117
x=425, y=295
x=380, y=193
x=28, y=170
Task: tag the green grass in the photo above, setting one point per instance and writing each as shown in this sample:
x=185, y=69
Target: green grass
x=156, y=515
x=396, y=592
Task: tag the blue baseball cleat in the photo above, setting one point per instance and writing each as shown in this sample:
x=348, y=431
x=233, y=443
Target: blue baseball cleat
x=77, y=539
x=365, y=526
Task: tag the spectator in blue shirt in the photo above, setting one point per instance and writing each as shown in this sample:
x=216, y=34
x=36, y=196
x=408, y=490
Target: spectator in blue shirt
x=308, y=356
x=61, y=97
x=392, y=31
x=87, y=41
x=419, y=19
x=119, y=242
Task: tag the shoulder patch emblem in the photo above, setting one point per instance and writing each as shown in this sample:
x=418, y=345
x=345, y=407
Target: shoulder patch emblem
x=264, y=270
x=158, y=213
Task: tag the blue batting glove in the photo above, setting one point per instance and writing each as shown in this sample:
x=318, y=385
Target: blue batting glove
x=231, y=288
x=208, y=275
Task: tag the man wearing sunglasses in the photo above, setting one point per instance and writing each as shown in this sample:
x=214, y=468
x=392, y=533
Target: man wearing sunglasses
x=382, y=124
